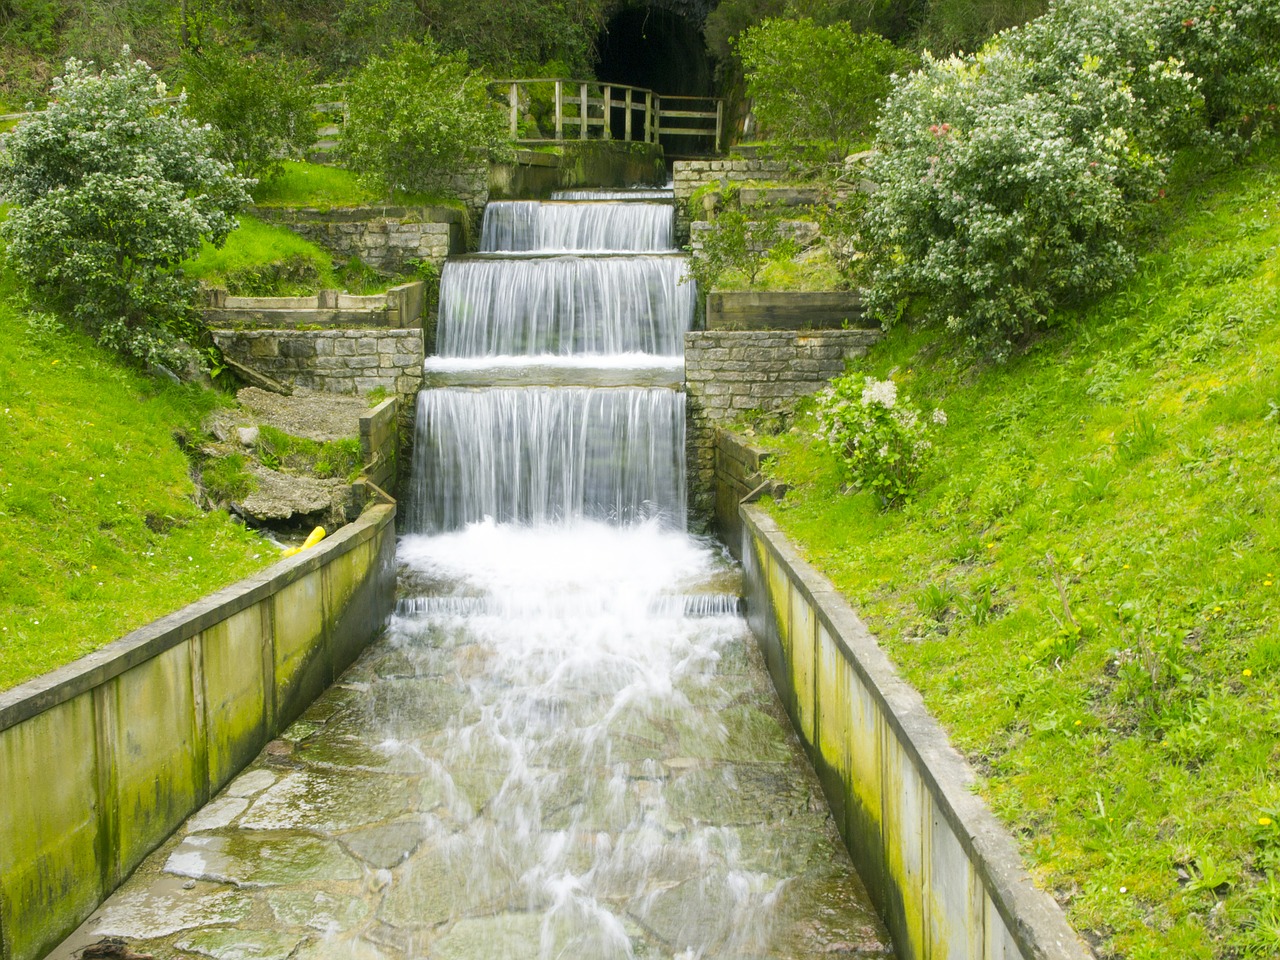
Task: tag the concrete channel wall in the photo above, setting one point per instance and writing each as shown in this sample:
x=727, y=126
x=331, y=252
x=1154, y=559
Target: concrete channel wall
x=102, y=759
x=942, y=871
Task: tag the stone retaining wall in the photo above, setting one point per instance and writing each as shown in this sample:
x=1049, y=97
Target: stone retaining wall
x=332, y=361
x=384, y=238
x=731, y=372
x=943, y=872
x=688, y=175
x=102, y=759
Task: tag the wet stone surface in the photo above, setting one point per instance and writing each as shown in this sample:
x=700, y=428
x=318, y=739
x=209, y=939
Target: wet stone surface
x=477, y=789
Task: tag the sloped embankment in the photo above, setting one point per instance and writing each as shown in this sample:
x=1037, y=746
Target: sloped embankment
x=1085, y=590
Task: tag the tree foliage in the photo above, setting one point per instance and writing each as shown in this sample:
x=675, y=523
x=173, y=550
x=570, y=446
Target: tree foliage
x=418, y=116
x=113, y=188
x=812, y=83
x=259, y=106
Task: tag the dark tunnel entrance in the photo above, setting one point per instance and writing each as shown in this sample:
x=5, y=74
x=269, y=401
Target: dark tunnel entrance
x=663, y=52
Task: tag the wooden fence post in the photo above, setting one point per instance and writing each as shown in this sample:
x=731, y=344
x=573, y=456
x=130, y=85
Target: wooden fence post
x=607, y=133
x=559, y=110
x=513, y=98
x=583, y=110
x=626, y=126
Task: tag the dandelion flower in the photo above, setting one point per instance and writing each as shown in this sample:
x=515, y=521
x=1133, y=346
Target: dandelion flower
x=1246, y=672
x=1264, y=821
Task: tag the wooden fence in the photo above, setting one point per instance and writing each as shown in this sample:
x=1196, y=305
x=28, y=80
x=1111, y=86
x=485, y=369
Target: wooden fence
x=552, y=109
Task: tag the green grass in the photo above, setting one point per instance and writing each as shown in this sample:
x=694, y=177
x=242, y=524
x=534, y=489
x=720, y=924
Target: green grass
x=323, y=187
x=812, y=271
x=312, y=185
x=98, y=519
x=333, y=458
x=1085, y=590
x=263, y=260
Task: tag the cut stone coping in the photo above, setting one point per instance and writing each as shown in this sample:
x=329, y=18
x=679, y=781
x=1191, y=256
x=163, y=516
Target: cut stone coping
x=34, y=697
x=1032, y=919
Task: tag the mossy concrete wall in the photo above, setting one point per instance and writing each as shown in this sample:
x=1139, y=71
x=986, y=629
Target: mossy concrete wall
x=943, y=872
x=589, y=163
x=101, y=760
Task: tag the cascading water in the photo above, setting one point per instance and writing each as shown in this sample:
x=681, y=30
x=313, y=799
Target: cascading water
x=565, y=746
x=607, y=722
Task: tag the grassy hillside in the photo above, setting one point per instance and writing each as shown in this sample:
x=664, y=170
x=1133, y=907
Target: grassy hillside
x=1086, y=589
x=98, y=519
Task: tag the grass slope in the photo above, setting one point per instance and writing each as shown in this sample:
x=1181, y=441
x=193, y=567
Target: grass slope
x=100, y=528
x=1086, y=590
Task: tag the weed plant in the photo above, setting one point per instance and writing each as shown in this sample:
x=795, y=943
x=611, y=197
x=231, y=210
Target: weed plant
x=1086, y=588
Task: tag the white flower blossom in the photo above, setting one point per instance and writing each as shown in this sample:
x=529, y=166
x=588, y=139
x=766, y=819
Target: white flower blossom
x=883, y=392
x=939, y=417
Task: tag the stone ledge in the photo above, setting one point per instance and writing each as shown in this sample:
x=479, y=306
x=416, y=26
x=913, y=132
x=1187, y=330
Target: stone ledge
x=945, y=874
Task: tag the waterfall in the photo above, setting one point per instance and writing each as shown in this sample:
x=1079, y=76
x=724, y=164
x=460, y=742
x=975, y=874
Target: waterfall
x=523, y=225
x=544, y=454
x=563, y=305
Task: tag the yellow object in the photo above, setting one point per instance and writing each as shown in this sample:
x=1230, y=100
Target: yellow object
x=313, y=538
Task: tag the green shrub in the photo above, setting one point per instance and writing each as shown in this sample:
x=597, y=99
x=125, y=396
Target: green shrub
x=112, y=188
x=1010, y=180
x=811, y=83
x=260, y=106
x=881, y=441
x=418, y=117
x=1000, y=197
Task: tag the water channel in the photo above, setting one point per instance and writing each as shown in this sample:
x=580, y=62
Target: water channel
x=565, y=745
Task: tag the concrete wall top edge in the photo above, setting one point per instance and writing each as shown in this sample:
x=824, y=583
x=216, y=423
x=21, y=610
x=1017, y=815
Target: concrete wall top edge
x=58, y=686
x=1033, y=917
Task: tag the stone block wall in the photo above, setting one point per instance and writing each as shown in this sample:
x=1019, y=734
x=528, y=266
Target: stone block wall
x=731, y=372
x=331, y=361
x=385, y=238
x=688, y=175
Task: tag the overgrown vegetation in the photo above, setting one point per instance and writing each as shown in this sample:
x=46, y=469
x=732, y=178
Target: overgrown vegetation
x=281, y=451
x=1011, y=181
x=419, y=116
x=112, y=188
x=260, y=107
x=1085, y=589
x=263, y=260
x=816, y=87
x=98, y=514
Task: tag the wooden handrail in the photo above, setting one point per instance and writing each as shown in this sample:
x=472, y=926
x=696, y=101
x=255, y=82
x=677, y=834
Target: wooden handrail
x=596, y=113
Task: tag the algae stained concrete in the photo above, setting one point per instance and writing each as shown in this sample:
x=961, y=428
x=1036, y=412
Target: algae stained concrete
x=342, y=838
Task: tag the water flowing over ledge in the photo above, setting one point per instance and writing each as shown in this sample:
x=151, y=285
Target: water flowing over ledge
x=535, y=455
x=564, y=305
x=579, y=227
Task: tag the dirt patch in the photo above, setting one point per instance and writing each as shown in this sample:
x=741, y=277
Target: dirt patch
x=308, y=414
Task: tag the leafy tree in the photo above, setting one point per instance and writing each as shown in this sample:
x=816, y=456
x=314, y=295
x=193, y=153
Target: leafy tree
x=259, y=106
x=417, y=117
x=112, y=189
x=816, y=83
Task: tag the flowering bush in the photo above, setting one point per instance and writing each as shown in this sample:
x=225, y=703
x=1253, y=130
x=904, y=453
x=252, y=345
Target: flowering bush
x=112, y=189
x=1009, y=180
x=881, y=439
x=1000, y=196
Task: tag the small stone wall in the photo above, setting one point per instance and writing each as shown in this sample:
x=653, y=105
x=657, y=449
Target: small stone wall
x=731, y=372
x=689, y=175
x=104, y=758
x=384, y=238
x=400, y=306
x=380, y=443
x=942, y=871
x=332, y=361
